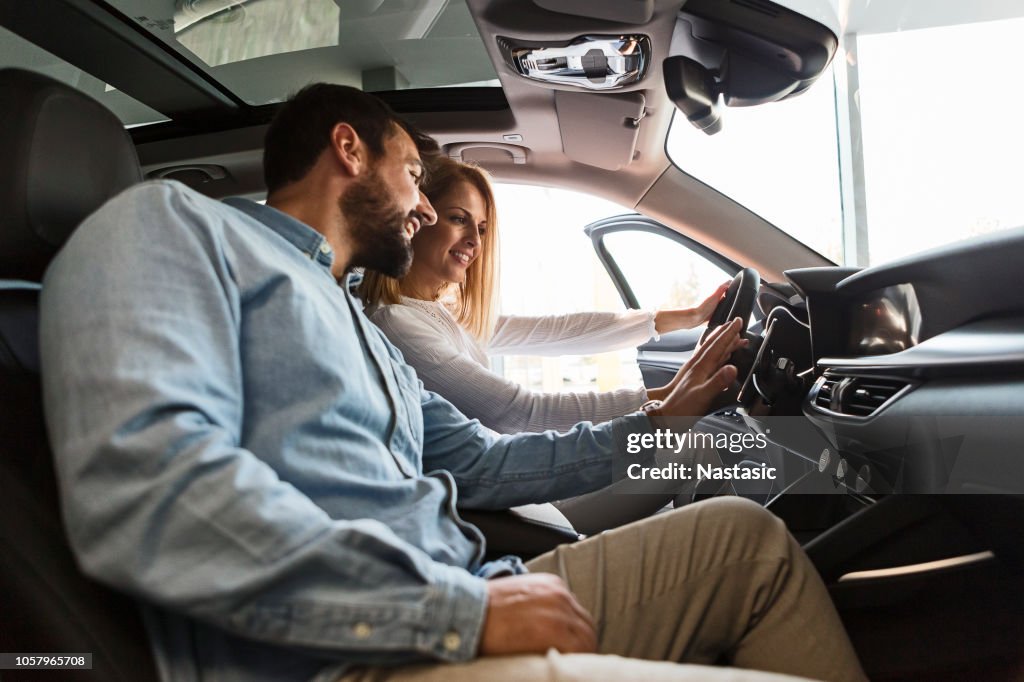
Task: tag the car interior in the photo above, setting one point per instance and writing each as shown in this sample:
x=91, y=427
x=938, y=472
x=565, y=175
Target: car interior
x=892, y=395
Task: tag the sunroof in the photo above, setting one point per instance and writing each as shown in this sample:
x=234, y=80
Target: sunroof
x=265, y=50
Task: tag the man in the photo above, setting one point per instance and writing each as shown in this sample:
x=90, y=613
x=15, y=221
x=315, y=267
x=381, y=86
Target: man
x=242, y=450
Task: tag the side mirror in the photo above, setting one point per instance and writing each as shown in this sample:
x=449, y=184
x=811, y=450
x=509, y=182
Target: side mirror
x=693, y=89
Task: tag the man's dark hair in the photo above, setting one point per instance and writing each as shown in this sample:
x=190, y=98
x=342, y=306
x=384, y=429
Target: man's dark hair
x=301, y=130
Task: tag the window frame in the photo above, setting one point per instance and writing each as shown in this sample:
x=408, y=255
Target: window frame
x=635, y=222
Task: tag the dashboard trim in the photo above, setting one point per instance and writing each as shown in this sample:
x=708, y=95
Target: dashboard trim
x=995, y=342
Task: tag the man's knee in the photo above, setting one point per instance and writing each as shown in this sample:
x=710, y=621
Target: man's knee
x=740, y=520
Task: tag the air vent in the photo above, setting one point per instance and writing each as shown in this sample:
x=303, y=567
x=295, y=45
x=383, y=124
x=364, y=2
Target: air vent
x=855, y=396
x=823, y=398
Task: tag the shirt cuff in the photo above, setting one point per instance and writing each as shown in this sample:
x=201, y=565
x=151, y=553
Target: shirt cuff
x=651, y=326
x=459, y=606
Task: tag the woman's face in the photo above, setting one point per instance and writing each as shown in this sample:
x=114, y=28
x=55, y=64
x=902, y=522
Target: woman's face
x=445, y=250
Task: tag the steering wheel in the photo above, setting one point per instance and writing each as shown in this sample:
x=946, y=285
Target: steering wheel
x=738, y=301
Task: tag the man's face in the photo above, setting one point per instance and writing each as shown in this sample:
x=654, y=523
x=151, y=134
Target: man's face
x=384, y=207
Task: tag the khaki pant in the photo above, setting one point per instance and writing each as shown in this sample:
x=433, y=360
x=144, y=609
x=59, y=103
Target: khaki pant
x=720, y=581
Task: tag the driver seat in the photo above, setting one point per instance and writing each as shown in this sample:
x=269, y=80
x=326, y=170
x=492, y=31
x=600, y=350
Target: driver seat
x=64, y=156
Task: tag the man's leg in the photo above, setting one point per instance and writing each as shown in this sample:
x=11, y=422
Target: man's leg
x=717, y=581
x=555, y=667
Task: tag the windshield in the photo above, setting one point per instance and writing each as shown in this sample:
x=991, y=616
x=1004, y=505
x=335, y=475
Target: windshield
x=911, y=139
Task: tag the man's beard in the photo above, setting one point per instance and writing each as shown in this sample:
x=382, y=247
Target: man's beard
x=377, y=227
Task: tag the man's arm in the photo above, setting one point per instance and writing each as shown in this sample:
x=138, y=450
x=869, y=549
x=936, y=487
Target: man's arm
x=498, y=472
x=144, y=394
x=495, y=472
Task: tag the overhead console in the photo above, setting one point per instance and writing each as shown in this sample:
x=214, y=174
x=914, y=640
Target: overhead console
x=592, y=60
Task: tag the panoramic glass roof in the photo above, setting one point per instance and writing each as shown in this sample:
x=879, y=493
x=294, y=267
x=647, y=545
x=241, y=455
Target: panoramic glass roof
x=265, y=50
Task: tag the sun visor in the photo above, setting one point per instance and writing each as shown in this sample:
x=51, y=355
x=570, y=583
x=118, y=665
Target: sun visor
x=745, y=53
x=586, y=117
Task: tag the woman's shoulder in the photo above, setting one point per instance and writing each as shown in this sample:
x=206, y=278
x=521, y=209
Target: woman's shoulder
x=406, y=315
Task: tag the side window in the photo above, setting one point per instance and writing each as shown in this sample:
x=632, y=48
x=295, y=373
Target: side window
x=548, y=267
x=659, y=271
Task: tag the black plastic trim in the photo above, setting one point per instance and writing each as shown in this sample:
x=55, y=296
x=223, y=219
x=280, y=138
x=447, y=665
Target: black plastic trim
x=108, y=45
x=416, y=101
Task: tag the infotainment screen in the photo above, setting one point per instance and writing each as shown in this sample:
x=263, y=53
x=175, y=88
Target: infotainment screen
x=885, y=321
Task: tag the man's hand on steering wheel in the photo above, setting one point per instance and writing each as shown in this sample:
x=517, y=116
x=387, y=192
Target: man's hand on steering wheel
x=733, y=300
x=705, y=375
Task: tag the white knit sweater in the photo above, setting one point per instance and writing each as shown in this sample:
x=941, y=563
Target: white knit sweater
x=450, y=361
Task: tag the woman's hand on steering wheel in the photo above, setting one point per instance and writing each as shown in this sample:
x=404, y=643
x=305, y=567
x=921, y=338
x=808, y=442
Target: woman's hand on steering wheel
x=738, y=302
x=666, y=321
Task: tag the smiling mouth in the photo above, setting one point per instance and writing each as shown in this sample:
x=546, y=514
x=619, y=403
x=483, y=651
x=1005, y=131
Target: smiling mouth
x=412, y=226
x=461, y=256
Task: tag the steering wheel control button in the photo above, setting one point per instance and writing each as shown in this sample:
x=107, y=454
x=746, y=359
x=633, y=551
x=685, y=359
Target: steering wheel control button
x=823, y=460
x=362, y=630
x=451, y=641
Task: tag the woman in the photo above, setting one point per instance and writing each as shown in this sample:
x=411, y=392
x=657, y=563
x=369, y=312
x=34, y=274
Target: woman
x=441, y=315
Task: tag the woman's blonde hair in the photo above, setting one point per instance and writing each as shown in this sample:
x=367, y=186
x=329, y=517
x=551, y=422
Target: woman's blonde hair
x=475, y=301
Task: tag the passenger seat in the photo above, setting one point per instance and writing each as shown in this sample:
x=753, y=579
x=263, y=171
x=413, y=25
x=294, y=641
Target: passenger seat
x=63, y=156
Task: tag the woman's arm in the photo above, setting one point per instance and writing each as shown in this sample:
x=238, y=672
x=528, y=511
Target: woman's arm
x=572, y=334
x=499, y=404
x=586, y=333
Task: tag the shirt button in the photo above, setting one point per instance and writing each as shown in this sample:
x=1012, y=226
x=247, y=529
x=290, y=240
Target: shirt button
x=451, y=641
x=362, y=630
x=325, y=248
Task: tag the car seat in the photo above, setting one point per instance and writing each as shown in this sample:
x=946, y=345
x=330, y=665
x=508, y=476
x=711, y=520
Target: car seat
x=63, y=156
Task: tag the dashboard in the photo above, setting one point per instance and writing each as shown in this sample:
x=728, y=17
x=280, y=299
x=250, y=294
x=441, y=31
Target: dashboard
x=906, y=377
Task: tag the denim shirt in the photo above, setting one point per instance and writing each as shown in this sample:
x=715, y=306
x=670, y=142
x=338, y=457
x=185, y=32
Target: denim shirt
x=242, y=450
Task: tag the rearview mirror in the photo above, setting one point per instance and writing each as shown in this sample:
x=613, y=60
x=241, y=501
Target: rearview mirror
x=694, y=91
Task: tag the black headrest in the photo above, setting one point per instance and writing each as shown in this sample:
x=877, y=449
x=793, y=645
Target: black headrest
x=19, y=328
x=63, y=156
